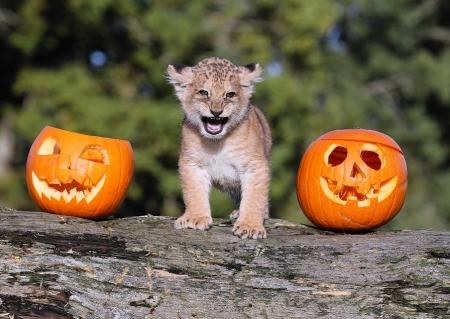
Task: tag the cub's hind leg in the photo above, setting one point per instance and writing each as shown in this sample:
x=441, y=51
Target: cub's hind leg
x=236, y=198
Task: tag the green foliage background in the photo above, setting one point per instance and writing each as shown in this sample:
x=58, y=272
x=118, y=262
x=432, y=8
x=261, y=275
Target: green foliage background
x=375, y=64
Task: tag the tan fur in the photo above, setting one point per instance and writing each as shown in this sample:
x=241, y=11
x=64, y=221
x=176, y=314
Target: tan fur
x=234, y=160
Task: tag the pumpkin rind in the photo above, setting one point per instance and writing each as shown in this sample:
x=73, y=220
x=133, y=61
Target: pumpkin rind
x=376, y=194
x=78, y=175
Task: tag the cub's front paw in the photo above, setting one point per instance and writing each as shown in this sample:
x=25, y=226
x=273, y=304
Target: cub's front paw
x=252, y=230
x=194, y=222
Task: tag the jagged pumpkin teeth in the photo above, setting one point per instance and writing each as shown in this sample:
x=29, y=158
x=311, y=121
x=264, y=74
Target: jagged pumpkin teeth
x=48, y=192
x=79, y=175
x=80, y=196
x=352, y=180
x=56, y=195
x=87, y=183
x=72, y=194
x=65, y=196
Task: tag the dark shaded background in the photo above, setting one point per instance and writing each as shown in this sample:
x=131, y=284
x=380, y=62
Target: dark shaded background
x=97, y=67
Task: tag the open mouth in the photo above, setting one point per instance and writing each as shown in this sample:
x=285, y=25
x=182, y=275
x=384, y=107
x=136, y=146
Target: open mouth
x=68, y=191
x=341, y=194
x=214, y=125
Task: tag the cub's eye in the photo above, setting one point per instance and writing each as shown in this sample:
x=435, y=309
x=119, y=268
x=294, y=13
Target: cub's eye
x=230, y=94
x=203, y=93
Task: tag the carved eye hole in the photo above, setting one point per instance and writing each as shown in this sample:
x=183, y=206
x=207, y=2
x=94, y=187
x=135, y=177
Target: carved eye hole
x=372, y=159
x=373, y=156
x=49, y=146
x=203, y=93
x=337, y=155
x=230, y=94
x=95, y=153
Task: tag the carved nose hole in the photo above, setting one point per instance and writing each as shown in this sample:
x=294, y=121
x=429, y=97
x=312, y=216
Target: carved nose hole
x=357, y=172
x=372, y=159
x=95, y=153
x=337, y=156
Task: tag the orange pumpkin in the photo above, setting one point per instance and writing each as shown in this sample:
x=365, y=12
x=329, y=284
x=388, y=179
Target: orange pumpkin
x=352, y=180
x=78, y=175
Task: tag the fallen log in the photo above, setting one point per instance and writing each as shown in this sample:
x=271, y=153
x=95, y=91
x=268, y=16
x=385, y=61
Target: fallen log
x=140, y=267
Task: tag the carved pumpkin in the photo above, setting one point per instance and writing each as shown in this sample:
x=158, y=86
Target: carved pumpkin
x=78, y=175
x=352, y=180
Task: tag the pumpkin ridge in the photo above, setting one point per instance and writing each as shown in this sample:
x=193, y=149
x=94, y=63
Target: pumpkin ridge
x=119, y=161
x=300, y=184
x=310, y=168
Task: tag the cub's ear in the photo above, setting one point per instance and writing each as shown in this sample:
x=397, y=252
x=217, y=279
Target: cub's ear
x=180, y=76
x=250, y=74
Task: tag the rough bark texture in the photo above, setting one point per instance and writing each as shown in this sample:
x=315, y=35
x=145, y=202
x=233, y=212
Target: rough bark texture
x=63, y=267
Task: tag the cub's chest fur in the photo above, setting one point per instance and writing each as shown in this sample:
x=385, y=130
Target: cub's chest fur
x=223, y=167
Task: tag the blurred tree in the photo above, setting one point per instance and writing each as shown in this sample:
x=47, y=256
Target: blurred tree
x=97, y=67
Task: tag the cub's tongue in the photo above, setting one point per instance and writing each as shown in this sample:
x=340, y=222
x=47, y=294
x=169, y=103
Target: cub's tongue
x=213, y=125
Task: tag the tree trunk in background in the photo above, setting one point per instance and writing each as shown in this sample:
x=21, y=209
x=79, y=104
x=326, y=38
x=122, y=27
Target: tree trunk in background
x=6, y=145
x=140, y=267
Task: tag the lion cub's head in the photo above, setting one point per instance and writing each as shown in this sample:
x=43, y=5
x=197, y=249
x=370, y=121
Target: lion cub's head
x=215, y=94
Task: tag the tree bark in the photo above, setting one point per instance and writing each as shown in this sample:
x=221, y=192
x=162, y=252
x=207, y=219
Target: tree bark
x=64, y=267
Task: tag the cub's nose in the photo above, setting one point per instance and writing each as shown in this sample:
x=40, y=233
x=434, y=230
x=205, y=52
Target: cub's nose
x=216, y=113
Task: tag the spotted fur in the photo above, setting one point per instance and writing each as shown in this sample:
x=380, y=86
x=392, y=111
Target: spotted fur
x=226, y=144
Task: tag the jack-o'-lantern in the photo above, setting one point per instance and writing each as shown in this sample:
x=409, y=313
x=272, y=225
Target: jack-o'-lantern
x=352, y=180
x=78, y=175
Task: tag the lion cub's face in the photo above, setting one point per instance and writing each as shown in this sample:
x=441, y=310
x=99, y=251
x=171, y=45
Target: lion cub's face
x=215, y=93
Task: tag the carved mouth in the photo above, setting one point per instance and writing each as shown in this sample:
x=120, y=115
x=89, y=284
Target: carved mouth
x=68, y=191
x=341, y=194
x=214, y=125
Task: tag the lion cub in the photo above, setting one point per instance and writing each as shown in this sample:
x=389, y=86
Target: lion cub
x=225, y=143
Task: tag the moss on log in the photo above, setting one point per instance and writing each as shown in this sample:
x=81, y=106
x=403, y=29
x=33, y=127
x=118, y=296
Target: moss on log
x=140, y=267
